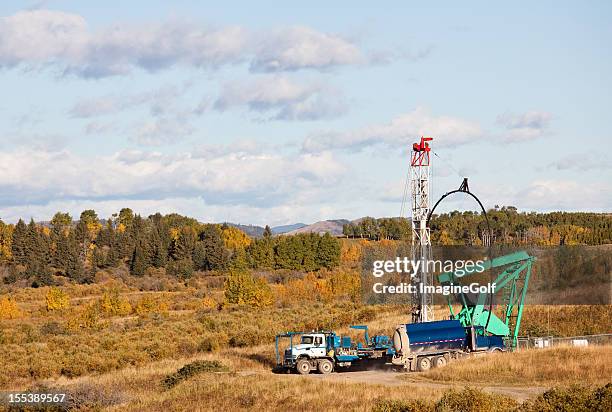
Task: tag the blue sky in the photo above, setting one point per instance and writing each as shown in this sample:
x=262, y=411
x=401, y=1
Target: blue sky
x=273, y=113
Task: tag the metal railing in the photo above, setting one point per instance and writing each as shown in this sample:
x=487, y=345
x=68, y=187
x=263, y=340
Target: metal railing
x=540, y=342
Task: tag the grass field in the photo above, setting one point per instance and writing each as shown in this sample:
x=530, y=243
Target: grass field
x=113, y=344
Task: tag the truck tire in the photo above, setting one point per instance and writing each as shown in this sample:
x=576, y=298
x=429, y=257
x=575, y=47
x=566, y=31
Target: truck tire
x=325, y=366
x=303, y=366
x=424, y=364
x=439, y=362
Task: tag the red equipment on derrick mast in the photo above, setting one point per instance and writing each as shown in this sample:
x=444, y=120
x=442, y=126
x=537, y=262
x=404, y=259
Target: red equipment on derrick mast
x=420, y=152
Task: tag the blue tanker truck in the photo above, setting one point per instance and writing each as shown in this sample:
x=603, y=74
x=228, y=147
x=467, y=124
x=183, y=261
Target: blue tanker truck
x=414, y=347
x=421, y=346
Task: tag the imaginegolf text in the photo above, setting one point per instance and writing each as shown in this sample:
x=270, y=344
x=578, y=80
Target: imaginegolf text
x=439, y=289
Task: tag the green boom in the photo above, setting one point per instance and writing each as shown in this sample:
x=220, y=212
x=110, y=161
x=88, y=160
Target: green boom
x=511, y=283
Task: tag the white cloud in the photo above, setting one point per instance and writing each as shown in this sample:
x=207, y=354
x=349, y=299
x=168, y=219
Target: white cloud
x=552, y=195
x=525, y=126
x=284, y=98
x=160, y=131
x=236, y=177
x=42, y=38
x=294, y=48
x=583, y=161
x=160, y=101
x=401, y=132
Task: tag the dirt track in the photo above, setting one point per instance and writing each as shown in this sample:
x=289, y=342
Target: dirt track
x=388, y=378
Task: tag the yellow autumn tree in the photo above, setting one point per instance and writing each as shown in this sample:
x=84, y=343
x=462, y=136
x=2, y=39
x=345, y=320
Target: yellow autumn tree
x=111, y=303
x=56, y=299
x=9, y=308
x=234, y=238
x=350, y=253
x=242, y=288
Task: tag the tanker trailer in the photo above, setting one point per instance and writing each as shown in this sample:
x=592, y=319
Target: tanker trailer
x=421, y=346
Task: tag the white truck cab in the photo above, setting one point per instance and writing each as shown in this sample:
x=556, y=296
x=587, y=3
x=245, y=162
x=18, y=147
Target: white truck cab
x=311, y=345
x=310, y=354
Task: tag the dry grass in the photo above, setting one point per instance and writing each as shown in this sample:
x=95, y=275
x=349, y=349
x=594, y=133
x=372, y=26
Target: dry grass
x=142, y=389
x=535, y=367
x=122, y=363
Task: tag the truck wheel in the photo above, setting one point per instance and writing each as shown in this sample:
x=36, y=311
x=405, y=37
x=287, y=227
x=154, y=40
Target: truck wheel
x=439, y=362
x=325, y=366
x=423, y=364
x=303, y=366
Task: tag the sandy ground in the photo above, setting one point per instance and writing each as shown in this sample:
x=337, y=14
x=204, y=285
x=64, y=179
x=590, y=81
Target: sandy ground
x=407, y=380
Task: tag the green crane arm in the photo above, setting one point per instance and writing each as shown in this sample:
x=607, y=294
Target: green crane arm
x=512, y=282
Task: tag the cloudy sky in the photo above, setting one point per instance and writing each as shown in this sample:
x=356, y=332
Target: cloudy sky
x=267, y=113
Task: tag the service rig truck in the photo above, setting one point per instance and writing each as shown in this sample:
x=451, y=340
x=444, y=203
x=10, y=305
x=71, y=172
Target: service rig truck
x=325, y=351
x=421, y=346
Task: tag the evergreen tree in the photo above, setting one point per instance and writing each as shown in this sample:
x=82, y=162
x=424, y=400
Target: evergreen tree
x=182, y=269
x=126, y=217
x=328, y=252
x=261, y=254
x=216, y=254
x=61, y=252
x=74, y=265
x=239, y=260
x=89, y=217
x=184, y=244
x=267, y=233
x=61, y=222
x=199, y=256
x=157, y=252
x=19, y=243
x=138, y=263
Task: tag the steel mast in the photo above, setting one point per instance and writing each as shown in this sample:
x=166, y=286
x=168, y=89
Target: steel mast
x=420, y=185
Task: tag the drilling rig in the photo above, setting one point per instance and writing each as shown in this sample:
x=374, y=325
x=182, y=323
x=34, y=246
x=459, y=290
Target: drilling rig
x=420, y=189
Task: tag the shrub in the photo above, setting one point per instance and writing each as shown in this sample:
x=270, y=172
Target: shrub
x=192, y=369
x=88, y=318
x=242, y=288
x=9, y=308
x=209, y=303
x=214, y=342
x=85, y=396
x=573, y=398
x=52, y=328
x=147, y=305
x=402, y=406
x=182, y=269
x=473, y=400
x=56, y=299
x=111, y=303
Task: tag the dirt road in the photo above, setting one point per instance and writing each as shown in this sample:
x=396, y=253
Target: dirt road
x=389, y=378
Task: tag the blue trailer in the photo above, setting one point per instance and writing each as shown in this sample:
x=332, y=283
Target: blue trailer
x=421, y=346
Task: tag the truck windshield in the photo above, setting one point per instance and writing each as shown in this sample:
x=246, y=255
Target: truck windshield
x=307, y=339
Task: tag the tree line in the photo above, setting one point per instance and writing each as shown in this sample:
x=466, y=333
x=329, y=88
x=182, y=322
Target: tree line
x=178, y=244
x=508, y=226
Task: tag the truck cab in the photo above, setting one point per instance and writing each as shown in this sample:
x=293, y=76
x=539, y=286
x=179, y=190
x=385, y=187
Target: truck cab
x=307, y=351
x=312, y=345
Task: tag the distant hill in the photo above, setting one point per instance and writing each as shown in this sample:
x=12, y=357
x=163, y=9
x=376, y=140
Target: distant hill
x=333, y=227
x=277, y=230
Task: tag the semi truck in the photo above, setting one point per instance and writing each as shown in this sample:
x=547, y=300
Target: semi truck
x=414, y=347
x=326, y=351
x=421, y=346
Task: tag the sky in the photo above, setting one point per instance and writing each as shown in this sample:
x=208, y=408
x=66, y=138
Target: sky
x=277, y=113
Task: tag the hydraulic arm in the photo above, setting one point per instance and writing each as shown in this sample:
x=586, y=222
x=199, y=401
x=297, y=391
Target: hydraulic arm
x=511, y=285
